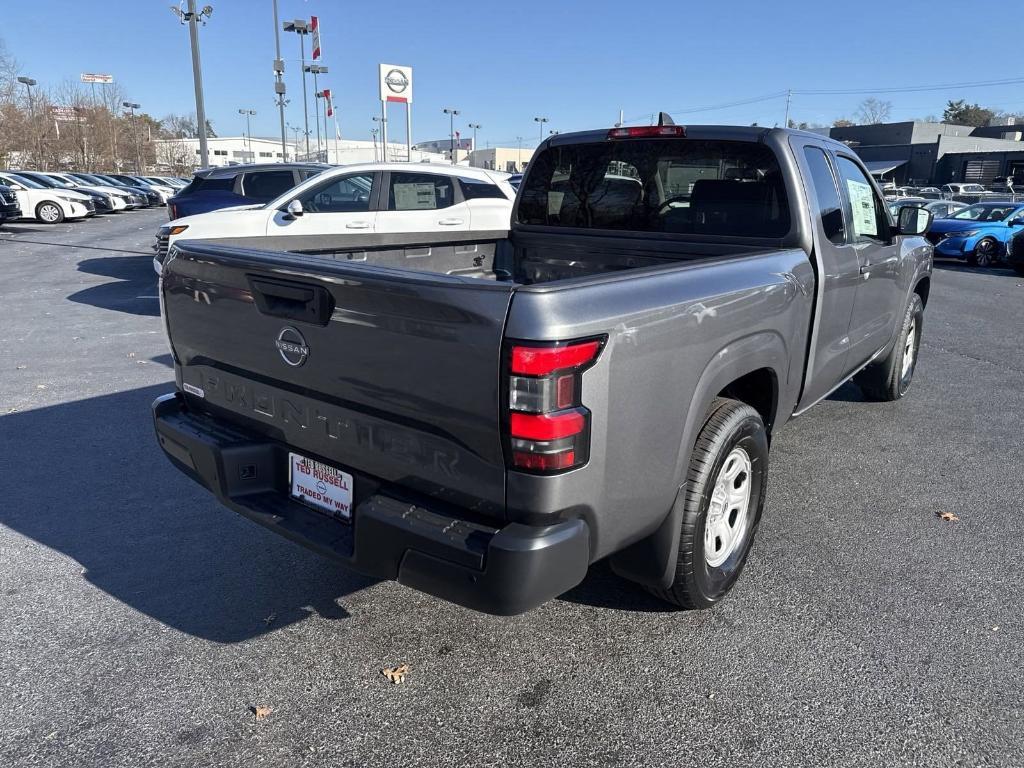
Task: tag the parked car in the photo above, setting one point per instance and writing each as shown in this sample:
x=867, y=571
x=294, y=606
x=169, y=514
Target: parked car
x=103, y=201
x=515, y=180
x=214, y=188
x=150, y=195
x=162, y=191
x=122, y=199
x=966, y=193
x=360, y=200
x=1015, y=252
x=943, y=208
x=894, y=206
x=138, y=198
x=9, y=206
x=978, y=233
x=50, y=206
x=483, y=418
x=931, y=193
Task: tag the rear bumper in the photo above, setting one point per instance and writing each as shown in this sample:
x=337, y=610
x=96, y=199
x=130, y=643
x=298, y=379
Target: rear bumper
x=502, y=571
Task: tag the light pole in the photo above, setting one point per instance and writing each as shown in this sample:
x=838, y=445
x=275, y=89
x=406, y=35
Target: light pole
x=451, y=120
x=519, y=163
x=373, y=132
x=316, y=69
x=28, y=82
x=248, y=127
x=476, y=127
x=384, y=135
x=541, y=120
x=131, y=107
x=301, y=28
x=295, y=151
x=279, y=87
x=192, y=17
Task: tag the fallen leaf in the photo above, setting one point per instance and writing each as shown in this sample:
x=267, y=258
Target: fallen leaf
x=949, y=517
x=261, y=712
x=396, y=674
x=40, y=386
x=270, y=619
x=20, y=367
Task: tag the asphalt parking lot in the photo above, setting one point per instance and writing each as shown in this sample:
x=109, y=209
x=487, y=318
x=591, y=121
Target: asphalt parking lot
x=140, y=621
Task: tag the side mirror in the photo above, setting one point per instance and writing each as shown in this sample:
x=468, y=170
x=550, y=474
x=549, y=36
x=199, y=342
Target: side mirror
x=913, y=221
x=294, y=209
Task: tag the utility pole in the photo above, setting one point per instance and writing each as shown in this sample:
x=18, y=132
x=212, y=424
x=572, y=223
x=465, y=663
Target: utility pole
x=789, y=98
x=131, y=107
x=28, y=82
x=540, y=120
x=316, y=69
x=248, y=127
x=193, y=19
x=301, y=28
x=451, y=120
x=384, y=137
x=279, y=86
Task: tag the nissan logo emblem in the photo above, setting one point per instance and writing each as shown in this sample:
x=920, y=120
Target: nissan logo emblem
x=396, y=81
x=292, y=346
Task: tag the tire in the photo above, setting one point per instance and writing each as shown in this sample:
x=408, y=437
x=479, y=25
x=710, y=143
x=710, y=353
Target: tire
x=49, y=213
x=889, y=379
x=1018, y=268
x=732, y=448
x=985, y=254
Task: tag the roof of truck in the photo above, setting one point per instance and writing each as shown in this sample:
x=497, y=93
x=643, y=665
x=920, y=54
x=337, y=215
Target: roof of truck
x=722, y=132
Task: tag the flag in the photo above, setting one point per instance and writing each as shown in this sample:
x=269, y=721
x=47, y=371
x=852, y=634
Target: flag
x=328, y=102
x=314, y=25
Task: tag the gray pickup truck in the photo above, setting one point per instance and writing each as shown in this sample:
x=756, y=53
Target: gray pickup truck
x=481, y=418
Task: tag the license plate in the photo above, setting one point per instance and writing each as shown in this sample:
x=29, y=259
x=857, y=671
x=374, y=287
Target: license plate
x=320, y=486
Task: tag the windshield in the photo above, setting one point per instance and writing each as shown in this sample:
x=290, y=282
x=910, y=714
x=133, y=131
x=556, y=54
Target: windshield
x=973, y=188
x=985, y=212
x=672, y=185
x=87, y=179
x=52, y=181
x=30, y=183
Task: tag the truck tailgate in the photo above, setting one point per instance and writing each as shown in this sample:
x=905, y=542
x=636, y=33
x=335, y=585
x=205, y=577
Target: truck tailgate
x=391, y=373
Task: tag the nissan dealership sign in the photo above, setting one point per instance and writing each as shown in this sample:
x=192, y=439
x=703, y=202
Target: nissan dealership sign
x=396, y=83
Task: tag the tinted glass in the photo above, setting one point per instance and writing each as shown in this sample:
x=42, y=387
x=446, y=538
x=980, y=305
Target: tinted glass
x=473, y=189
x=210, y=184
x=349, y=194
x=658, y=185
x=266, y=185
x=27, y=182
x=827, y=195
x=986, y=212
x=419, y=192
x=868, y=217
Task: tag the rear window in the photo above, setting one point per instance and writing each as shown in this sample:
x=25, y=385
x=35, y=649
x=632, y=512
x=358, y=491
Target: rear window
x=264, y=186
x=680, y=186
x=210, y=184
x=474, y=189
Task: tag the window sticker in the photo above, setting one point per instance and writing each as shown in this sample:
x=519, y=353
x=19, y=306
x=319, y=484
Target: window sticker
x=416, y=196
x=555, y=203
x=862, y=200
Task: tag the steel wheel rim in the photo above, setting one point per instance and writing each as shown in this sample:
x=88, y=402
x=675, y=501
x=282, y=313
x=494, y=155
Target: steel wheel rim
x=725, y=526
x=908, y=349
x=49, y=213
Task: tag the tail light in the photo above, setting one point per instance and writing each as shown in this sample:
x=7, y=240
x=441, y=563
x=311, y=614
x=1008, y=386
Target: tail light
x=548, y=427
x=172, y=211
x=647, y=132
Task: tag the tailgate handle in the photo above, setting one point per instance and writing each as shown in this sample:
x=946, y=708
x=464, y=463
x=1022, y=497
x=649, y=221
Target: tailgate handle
x=292, y=301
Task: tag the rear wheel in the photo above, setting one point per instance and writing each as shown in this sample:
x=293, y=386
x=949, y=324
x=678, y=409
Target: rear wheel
x=50, y=213
x=985, y=252
x=1018, y=268
x=721, y=505
x=889, y=379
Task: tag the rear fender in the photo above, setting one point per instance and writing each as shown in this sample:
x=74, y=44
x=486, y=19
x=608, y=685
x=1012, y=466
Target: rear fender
x=652, y=560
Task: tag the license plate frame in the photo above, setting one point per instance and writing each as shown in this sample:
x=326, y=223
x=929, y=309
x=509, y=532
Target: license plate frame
x=320, y=486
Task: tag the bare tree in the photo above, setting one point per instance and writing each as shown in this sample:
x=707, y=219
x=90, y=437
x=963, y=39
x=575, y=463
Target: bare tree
x=872, y=111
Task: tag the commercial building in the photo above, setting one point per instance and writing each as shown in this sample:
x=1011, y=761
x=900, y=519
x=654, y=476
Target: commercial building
x=508, y=159
x=227, y=150
x=916, y=152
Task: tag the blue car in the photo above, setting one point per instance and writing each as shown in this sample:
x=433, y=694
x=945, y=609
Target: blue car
x=979, y=233
x=212, y=189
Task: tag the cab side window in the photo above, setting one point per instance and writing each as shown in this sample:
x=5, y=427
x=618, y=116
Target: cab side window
x=868, y=219
x=349, y=194
x=827, y=194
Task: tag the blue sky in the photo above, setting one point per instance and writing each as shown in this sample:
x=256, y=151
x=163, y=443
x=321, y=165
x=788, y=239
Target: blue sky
x=502, y=64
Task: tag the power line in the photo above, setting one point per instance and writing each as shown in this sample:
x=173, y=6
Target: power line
x=908, y=88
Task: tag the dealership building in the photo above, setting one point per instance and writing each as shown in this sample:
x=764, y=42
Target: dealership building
x=916, y=152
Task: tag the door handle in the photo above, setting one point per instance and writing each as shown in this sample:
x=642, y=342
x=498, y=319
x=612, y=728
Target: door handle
x=450, y=222
x=358, y=225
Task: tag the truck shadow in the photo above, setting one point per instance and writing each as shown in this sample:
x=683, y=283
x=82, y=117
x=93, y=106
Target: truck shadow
x=133, y=292
x=88, y=480
x=602, y=588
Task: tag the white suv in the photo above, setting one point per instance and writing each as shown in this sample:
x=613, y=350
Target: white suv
x=362, y=199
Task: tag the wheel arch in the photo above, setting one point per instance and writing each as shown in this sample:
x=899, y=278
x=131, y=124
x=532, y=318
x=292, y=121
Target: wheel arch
x=749, y=370
x=923, y=288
